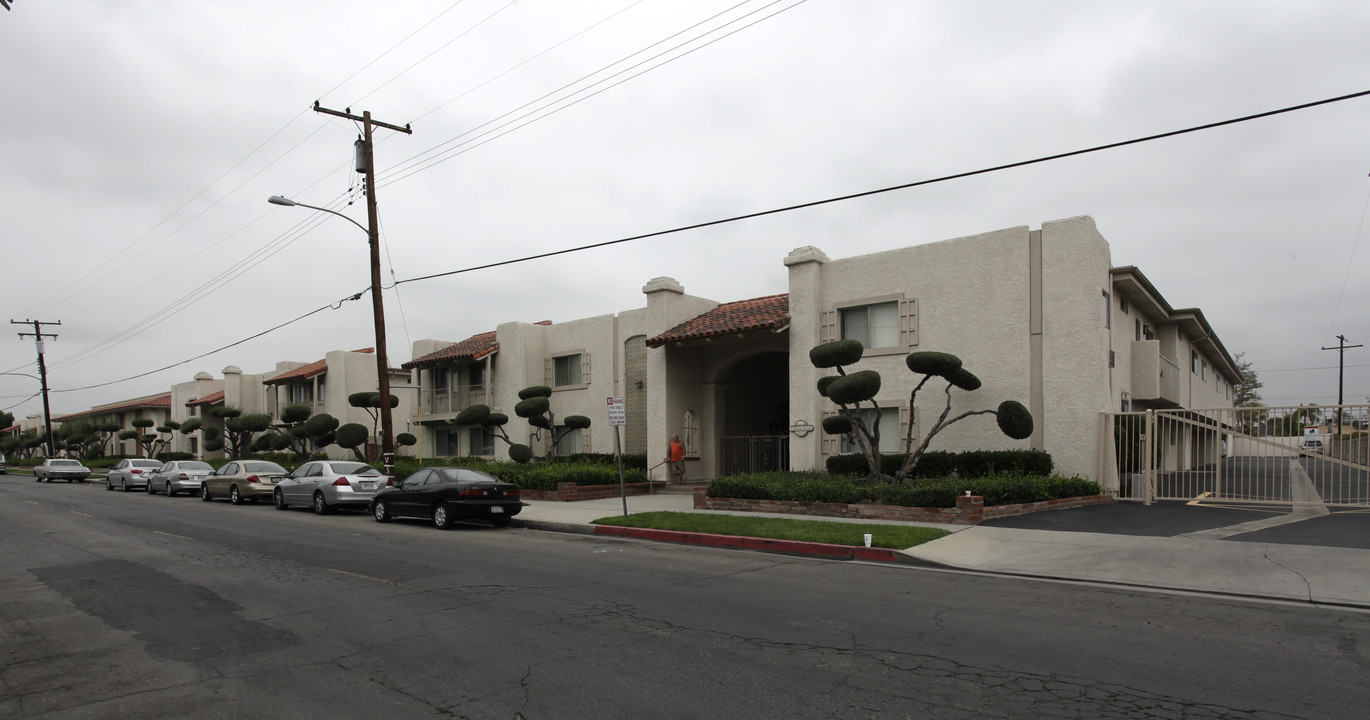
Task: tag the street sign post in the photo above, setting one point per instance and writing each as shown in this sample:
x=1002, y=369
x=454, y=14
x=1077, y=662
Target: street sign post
x=618, y=417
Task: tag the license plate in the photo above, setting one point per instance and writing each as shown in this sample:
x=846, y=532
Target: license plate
x=496, y=509
x=368, y=486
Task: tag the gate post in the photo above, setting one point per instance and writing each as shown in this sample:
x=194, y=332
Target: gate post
x=1148, y=469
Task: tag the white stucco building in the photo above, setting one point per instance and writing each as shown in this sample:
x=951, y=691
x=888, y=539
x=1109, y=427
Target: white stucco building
x=1040, y=316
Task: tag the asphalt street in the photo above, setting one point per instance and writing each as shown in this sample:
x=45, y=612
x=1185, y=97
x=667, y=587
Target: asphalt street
x=120, y=605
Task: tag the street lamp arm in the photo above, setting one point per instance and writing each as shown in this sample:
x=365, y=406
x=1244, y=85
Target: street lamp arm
x=287, y=202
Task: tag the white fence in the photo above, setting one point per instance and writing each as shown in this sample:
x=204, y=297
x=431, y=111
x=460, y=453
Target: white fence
x=1299, y=456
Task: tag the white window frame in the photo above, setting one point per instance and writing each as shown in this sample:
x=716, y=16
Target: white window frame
x=551, y=370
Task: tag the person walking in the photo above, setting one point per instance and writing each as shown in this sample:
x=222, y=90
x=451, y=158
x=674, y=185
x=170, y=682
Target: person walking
x=675, y=455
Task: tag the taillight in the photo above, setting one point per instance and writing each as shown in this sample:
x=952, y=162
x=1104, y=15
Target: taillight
x=182, y=477
x=390, y=482
x=512, y=493
x=341, y=482
x=470, y=493
x=136, y=472
x=252, y=479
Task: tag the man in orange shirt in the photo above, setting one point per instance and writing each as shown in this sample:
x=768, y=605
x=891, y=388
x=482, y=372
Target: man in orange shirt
x=675, y=454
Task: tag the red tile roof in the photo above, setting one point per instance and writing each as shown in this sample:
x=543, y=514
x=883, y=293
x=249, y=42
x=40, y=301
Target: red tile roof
x=764, y=313
x=317, y=367
x=156, y=401
x=472, y=348
x=210, y=399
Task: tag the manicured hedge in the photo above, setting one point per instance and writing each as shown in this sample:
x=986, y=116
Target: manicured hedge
x=1006, y=489
x=586, y=469
x=936, y=464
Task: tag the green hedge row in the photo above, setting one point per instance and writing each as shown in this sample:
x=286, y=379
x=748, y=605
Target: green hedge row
x=937, y=464
x=1005, y=489
x=585, y=469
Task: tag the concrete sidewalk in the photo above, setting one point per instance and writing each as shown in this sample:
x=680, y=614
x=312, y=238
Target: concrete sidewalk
x=1200, y=562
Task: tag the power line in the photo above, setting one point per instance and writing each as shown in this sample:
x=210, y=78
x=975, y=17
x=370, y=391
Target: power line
x=419, y=163
x=903, y=186
x=775, y=211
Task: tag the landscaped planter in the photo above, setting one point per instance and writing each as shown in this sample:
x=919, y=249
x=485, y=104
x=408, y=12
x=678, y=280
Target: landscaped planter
x=969, y=510
x=571, y=492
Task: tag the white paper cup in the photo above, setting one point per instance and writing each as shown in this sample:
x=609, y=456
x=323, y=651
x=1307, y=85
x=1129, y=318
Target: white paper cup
x=868, y=539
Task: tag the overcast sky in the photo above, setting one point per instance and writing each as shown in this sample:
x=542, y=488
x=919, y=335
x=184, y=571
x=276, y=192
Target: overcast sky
x=140, y=140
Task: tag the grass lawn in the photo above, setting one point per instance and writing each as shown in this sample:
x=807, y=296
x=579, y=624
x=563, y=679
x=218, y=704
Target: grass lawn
x=897, y=537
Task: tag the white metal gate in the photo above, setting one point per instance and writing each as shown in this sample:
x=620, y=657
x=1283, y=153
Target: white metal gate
x=1302, y=456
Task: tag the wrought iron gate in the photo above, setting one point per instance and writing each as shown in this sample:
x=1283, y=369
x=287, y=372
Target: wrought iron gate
x=754, y=453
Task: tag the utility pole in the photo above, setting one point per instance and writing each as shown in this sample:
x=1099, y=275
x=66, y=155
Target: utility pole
x=1341, y=349
x=365, y=164
x=38, y=336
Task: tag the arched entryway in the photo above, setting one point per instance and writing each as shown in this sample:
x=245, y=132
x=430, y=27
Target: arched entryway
x=756, y=409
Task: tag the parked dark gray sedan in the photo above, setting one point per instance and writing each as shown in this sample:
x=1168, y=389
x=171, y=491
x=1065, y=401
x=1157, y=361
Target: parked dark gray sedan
x=445, y=494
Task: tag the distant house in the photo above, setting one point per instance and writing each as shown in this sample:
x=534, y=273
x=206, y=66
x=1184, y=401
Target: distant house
x=325, y=385
x=151, y=407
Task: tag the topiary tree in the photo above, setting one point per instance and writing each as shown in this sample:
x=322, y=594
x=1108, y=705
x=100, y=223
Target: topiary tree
x=371, y=403
x=852, y=391
x=353, y=436
x=535, y=406
x=238, y=429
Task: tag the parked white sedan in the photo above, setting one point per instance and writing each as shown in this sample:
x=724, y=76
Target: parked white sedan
x=178, y=476
x=60, y=469
x=130, y=473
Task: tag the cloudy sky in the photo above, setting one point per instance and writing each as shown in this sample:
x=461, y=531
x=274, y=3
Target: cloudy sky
x=140, y=140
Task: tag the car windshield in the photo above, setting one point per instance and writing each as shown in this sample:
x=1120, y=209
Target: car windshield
x=64, y=463
x=353, y=468
x=196, y=465
x=263, y=467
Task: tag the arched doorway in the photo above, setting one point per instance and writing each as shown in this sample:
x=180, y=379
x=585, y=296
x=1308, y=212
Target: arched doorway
x=756, y=409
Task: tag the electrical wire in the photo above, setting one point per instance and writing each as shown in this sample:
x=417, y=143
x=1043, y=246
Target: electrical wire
x=435, y=155
x=902, y=186
x=1349, y=263
x=971, y=173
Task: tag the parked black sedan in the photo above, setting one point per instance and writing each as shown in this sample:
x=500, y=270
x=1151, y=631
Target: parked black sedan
x=446, y=494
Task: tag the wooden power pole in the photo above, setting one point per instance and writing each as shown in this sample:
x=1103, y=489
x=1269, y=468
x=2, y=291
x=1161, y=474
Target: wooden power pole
x=365, y=158
x=38, y=336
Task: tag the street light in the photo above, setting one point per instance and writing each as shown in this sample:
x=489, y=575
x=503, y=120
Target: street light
x=382, y=363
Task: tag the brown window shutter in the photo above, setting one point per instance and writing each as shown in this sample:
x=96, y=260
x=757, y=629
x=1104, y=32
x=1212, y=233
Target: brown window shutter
x=908, y=318
x=548, y=369
x=585, y=367
x=827, y=326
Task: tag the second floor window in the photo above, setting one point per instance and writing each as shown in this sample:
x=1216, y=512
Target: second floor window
x=475, y=377
x=566, y=370
x=874, y=326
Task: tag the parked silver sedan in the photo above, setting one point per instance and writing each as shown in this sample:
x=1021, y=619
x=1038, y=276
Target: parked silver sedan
x=328, y=484
x=178, y=476
x=130, y=473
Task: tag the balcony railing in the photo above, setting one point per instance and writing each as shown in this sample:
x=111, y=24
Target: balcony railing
x=447, y=401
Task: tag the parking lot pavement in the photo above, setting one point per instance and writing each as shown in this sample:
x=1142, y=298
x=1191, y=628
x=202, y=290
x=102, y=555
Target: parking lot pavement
x=1244, y=551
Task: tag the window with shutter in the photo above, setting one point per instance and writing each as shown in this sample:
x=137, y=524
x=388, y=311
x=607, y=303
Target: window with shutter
x=884, y=325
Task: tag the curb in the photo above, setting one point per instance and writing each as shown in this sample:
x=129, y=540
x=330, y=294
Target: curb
x=791, y=547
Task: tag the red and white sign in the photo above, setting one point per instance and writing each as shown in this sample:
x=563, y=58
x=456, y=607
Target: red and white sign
x=618, y=414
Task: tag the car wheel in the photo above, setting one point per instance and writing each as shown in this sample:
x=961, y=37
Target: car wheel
x=233, y=497
x=204, y=494
x=501, y=521
x=441, y=517
x=123, y=485
x=380, y=511
x=150, y=491
x=109, y=484
x=320, y=504
x=170, y=491
x=278, y=498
